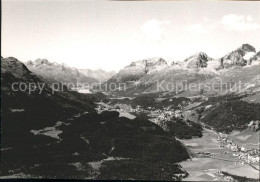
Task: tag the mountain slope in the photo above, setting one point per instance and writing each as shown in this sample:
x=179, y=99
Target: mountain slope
x=229, y=112
x=34, y=104
x=171, y=79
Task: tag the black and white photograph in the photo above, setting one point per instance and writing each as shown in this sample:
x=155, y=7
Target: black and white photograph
x=130, y=90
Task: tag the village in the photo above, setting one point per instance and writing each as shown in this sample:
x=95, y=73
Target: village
x=156, y=116
x=250, y=156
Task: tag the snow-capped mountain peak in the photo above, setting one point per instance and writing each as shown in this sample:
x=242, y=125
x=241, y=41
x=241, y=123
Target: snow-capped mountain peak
x=239, y=57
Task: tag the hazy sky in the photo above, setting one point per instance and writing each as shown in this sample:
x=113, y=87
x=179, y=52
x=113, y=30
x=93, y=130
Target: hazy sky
x=112, y=34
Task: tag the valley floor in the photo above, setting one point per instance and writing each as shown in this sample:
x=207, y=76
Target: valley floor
x=211, y=160
x=212, y=154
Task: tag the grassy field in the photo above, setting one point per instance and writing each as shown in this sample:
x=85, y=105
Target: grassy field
x=207, y=169
x=246, y=138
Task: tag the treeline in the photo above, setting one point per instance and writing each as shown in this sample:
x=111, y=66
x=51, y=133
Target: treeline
x=240, y=178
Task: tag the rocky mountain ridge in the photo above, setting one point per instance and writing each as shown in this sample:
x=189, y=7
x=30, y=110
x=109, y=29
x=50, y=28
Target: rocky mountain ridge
x=143, y=76
x=199, y=60
x=239, y=57
x=140, y=68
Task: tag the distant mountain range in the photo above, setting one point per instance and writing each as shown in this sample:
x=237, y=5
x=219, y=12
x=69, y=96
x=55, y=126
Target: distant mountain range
x=140, y=76
x=99, y=74
x=143, y=76
x=55, y=72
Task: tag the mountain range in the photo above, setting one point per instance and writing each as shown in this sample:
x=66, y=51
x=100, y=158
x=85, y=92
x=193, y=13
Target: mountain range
x=143, y=76
x=54, y=72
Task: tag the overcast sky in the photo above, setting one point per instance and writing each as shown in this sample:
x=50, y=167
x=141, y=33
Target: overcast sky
x=112, y=34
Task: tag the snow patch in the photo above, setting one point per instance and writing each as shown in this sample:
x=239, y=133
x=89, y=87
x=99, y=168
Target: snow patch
x=127, y=115
x=17, y=110
x=84, y=91
x=49, y=131
x=248, y=55
x=85, y=139
x=97, y=164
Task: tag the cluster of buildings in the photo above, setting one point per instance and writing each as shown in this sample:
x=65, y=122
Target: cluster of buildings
x=159, y=115
x=104, y=107
x=247, y=157
x=244, y=154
